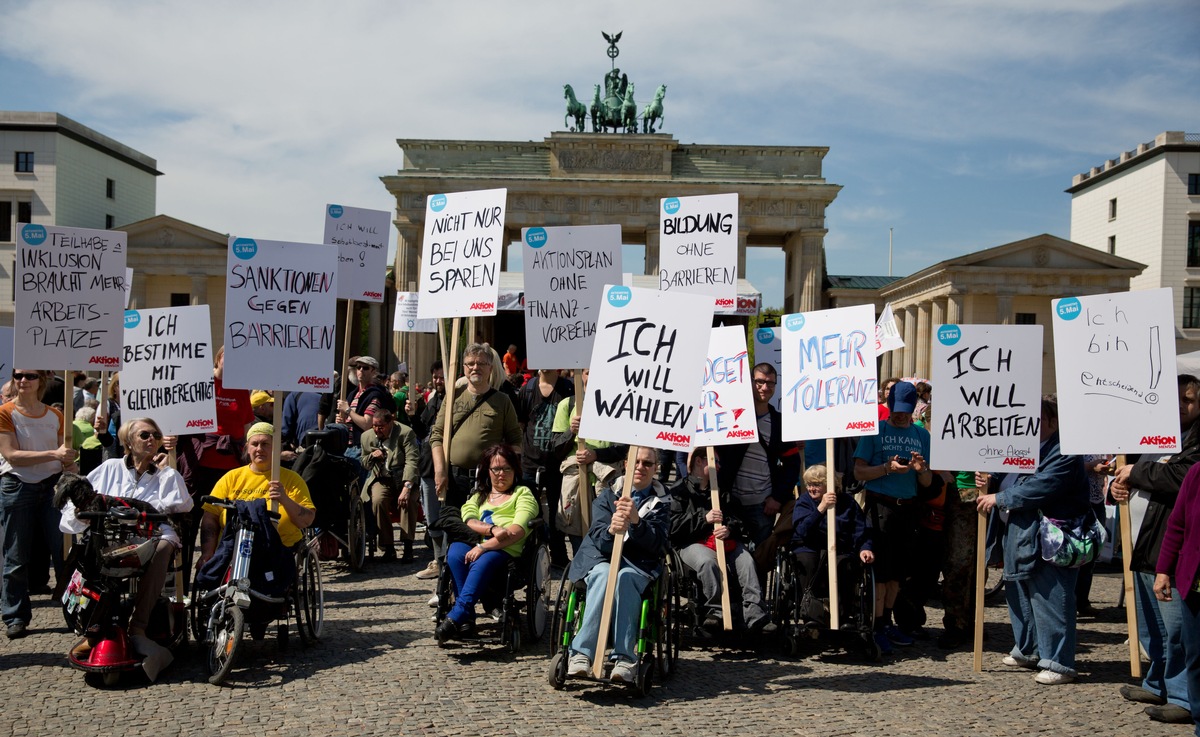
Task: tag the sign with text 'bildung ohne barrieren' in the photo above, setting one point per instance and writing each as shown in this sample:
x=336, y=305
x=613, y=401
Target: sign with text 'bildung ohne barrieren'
x=361, y=237
x=726, y=412
x=166, y=369
x=565, y=273
x=1114, y=365
x=460, y=256
x=280, y=315
x=769, y=349
x=829, y=387
x=698, y=246
x=406, y=320
x=989, y=406
x=647, y=366
x=69, y=298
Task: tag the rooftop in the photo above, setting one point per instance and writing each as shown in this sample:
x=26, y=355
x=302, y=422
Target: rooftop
x=1162, y=143
x=57, y=123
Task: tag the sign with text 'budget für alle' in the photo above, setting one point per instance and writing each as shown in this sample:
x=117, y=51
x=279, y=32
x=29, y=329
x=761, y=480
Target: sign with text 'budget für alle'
x=166, y=369
x=460, y=255
x=361, y=237
x=698, y=247
x=726, y=412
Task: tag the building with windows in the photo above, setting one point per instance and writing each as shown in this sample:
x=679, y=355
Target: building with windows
x=1144, y=205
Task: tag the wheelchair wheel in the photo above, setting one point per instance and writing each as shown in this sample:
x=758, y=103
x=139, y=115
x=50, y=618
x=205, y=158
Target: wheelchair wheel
x=226, y=643
x=645, y=678
x=355, y=552
x=310, y=595
x=537, y=591
x=782, y=588
x=670, y=630
x=556, y=676
x=993, y=583
x=558, y=619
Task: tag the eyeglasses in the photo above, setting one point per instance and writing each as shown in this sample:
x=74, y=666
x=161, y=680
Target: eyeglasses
x=26, y=377
x=146, y=435
x=497, y=470
x=764, y=382
x=646, y=464
x=476, y=364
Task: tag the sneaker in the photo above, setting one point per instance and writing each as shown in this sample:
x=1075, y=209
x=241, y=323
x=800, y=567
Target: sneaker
x=1141, y=695
x=884, y=644
x=1054, y=678
x=1169, y=713
x=16, y=630
x=578, y=665
x=897, y=637
x=433, y=570
x=623, y=671
x=433, y=601
x=1014, y=662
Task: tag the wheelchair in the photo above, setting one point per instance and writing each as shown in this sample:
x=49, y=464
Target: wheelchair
x=513, y=618
x=333, y=484
x=658, y=638
x=803, y=614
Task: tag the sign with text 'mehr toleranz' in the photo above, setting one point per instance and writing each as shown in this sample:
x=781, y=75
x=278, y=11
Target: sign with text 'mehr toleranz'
x=280, y=312
x=166, y=369
x=768, y=348
x=726, y=413
x=647, y=366
x=565, y=273
x=460, y=256
x=829, y=387
x=406, y=320
x=698, y=246
x=361, y=237
x=989, y=406
x=1114, y=364
x=69, y=298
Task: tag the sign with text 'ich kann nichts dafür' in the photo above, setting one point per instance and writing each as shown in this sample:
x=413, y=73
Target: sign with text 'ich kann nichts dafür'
x=460, y=255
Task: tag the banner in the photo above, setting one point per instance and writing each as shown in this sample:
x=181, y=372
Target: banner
x=167, y=369
x=280, y=307
x=831, y=386
x=887, y=336
x=565, y=273
x=460, y=258
x=361, y=237
x=769, y=349
x=1114, y=364
x=698, y=247
x=406, y=320
x=726, y=411
x=647, y=366
x=989, y=398
x=68, y=298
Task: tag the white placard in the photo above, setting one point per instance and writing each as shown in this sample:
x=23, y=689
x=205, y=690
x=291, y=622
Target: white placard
x=406, y=320
x=726, y=413
x=280, y=315
x=831, y=385
x=769, y=349
x=128, y=286
x=361, y=237
x=6, y=354
x=69, y=298
x=460, y=258
x=887, y=336
x=565, y=273
x=1114, y=365
x=166, y=369
x=647, y=366
x=989, y=398
x=698, y=247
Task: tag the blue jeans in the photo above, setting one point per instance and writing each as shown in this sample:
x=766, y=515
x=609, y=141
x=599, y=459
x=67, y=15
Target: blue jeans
x=627, y=610
x=1042, y=611
x=25, y=514
x=1160, y=631
x=1189, y=619
x=433, y=509
x=470, y=579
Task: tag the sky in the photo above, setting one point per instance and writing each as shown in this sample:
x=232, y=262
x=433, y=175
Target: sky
x=956, y=124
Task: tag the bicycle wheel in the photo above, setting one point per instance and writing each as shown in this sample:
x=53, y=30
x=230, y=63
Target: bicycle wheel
x=226, y=643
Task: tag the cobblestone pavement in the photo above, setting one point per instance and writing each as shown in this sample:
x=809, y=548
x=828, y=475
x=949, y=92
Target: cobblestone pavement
x=379, y=671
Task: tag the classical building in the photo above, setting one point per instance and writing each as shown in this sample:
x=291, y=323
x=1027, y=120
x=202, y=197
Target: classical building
x=1145, y=205
x=592, y=179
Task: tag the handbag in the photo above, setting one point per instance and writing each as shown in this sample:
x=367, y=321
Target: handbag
x=1071, y=543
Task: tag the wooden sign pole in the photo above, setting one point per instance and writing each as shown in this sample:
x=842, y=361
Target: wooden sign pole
x=68, y=437
x=276, y=441
x=345, y=352
x=831, y=538
x=450, y=360
x=585, y=469
x=722, y=565
x=980, y=576
x=614, y=566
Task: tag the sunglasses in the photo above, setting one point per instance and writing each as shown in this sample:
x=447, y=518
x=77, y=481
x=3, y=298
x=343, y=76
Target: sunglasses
x=146, y=435
x=647, y=464
x=497, y=470
x=26, y=377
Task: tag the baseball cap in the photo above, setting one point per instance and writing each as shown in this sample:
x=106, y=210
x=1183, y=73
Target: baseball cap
x=259, y=398
x=903, y=397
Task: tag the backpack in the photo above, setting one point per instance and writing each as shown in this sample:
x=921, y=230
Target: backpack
x=540, y=429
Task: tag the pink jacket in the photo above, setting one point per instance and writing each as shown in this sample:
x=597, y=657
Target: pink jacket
x=1180, y=552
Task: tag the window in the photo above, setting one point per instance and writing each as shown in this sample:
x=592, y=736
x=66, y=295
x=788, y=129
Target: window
x=108, y=222
x=1191, y=307
x=1112, y=209
x=180, y=299
x=1193, y=184
x=1026, y=318
x=6, y=225
x=110, y=189
x=1112, y=245
x=24, y=162
x=1193, y=243
x=24, y=212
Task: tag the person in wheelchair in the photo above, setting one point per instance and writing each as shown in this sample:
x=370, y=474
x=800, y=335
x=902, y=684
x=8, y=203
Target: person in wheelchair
x=810, y=528
x=643, y=520
x=501, y=513
x=696, y=530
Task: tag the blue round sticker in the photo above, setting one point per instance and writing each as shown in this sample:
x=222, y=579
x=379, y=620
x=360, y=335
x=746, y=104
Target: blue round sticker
x=1069, y=308
x=335, y=211
x=437, y=202
x=536, y=237
x=619, y=296
x=794, y=322
x=765, y=335
x=671, y=205
x=245, y=248
x=34, y=235
x=132, y=319
x=949, y=334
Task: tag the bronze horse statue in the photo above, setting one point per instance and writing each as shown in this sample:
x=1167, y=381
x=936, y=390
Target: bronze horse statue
x=629, y=111
x=575, y=109
x=654, y=111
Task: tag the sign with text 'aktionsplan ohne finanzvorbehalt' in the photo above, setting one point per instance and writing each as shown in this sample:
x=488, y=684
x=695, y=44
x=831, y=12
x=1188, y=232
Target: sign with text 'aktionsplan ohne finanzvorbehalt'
x=460, y=255
x=167, y=369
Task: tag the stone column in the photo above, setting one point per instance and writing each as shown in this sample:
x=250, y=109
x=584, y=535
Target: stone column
x=885, y=365
x=910, y=341
x=924, y=335
x=954, y=309
x=374, y=336
x=938, y=313
x=199, y=295
x=652, y=239
x=1004, y=309
x=418, y=349
x=741, y=258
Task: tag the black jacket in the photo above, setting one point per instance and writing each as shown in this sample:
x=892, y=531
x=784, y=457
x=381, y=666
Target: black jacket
x=1162, y=480
x=783, y=458
x=690, y=504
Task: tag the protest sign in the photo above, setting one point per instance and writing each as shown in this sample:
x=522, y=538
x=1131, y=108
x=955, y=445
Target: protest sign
x=361, y=237
x=167, y=369
x=647, y=366
x=698, y=247
x=460, y=258
x=989, y=407
x=565, y=273
x=280, y=302
x=887, y=336
x=128, y=286
x=1114, y=361
x=69, y=297
x=830, y=389
x=769, y=349
x=406, y=320
x=726, y=411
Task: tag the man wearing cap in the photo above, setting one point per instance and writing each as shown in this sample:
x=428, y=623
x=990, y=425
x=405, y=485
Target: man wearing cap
x=892, y=464
x=356, y=414
x=263, y=405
